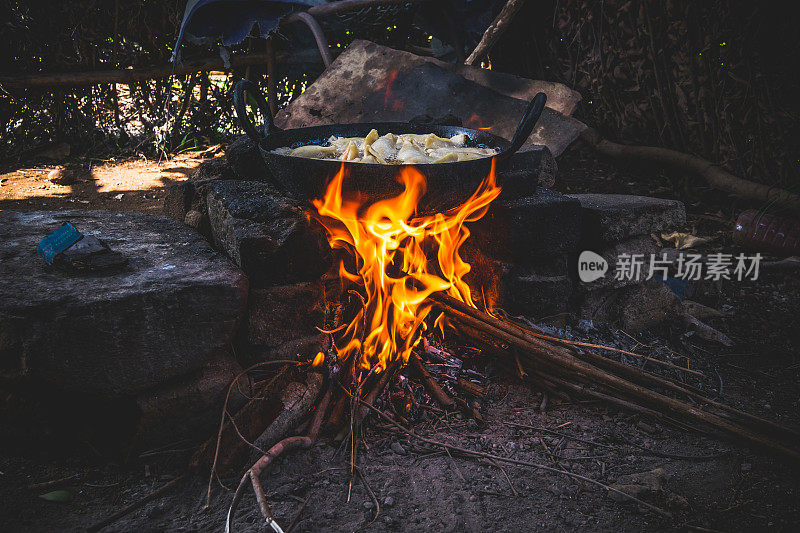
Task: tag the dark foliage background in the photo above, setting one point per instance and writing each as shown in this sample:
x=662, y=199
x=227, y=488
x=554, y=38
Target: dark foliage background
x=715, y=78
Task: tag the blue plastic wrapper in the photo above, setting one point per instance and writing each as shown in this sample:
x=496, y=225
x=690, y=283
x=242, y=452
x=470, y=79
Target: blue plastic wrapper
x=58, y=241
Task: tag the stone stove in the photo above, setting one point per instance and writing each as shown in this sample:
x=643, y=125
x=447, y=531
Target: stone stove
x=523, y=252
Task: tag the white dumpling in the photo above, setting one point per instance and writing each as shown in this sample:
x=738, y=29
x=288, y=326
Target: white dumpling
x=433, y=141
x=371, y=137
x=384, y=147
x=468, y=156
x=459, y=140
x=341, y=143
x=448, y=158
x=314, y=151
x=460, y=154
x=350, y=152
x=410, y=154
x=441, y=152
x=375, y=155
x=416, y=138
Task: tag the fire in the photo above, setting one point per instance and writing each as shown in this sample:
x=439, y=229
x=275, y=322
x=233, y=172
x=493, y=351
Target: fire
x=396, y=104
x=475, y=121
x=389, y=242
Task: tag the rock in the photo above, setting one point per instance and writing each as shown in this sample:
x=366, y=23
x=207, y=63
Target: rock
x=184, y=196
x=265, y=233
x=208, y=172
x=388, y=501
x=531, y=166
x=676, y=501
x=178, y=199
x=600, y=306
x=61, y=176
x=652, y=479
x=174, y=307
x=527, y=292
x=195, y=219
x=539, y=289
x=368, y=505
x=245, y=160
x=643, y=247
x=638, y=485
x=524, y=230
x=283, y=313
x=352, y=89
x=614, y=217
x=300, y=349
x=398, y=448
x=189, y=407
x=646, y=306
x=647, y=428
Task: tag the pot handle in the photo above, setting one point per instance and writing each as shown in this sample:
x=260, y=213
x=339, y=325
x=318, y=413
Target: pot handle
x=525, y=127
x=239, y=90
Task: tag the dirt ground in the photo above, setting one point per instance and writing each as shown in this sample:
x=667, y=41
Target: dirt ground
x=127, y=185
x=723, y=486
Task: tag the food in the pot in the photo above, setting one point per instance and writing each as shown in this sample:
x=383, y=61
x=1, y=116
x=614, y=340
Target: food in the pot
x=391, y=149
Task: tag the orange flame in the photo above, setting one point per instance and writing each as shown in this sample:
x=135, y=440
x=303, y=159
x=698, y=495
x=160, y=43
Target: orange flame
x=387, y=95
x=475, y=121
x=389, y=243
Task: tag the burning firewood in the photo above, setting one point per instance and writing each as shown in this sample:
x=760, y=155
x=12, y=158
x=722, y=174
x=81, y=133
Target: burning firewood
x=561, y=368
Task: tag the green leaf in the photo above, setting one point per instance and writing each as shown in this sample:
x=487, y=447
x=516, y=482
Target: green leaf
x=60, y=496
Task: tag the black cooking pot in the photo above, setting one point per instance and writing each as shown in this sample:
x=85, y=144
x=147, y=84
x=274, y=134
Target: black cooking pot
x=449, y=184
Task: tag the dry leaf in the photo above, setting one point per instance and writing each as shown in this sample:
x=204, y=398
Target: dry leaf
x=682, y=241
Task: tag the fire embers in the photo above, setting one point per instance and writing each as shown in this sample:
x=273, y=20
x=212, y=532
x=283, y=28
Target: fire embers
x=400, y=259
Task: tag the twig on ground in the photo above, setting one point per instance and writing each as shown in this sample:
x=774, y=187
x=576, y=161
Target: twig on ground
x=138, y=503
x=286, y=445
x=503, y=470
x=473, y=453
x=554, y=359
x=52, y=483
x=371, y=494
x=193, y=465
x=297, y=514
x=222, y=418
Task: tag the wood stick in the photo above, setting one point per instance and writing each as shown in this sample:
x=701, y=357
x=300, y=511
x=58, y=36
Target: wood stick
x=494, y=31
x=471, y=388
x=284, y=446
x=343, y=6
x=716, y=177
x=516, y=329
x=52, y=483
x=163, y=489
x=433, y=388
x=561, y=360
x=726, y=411
x=133, y=75
x=592, y=375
